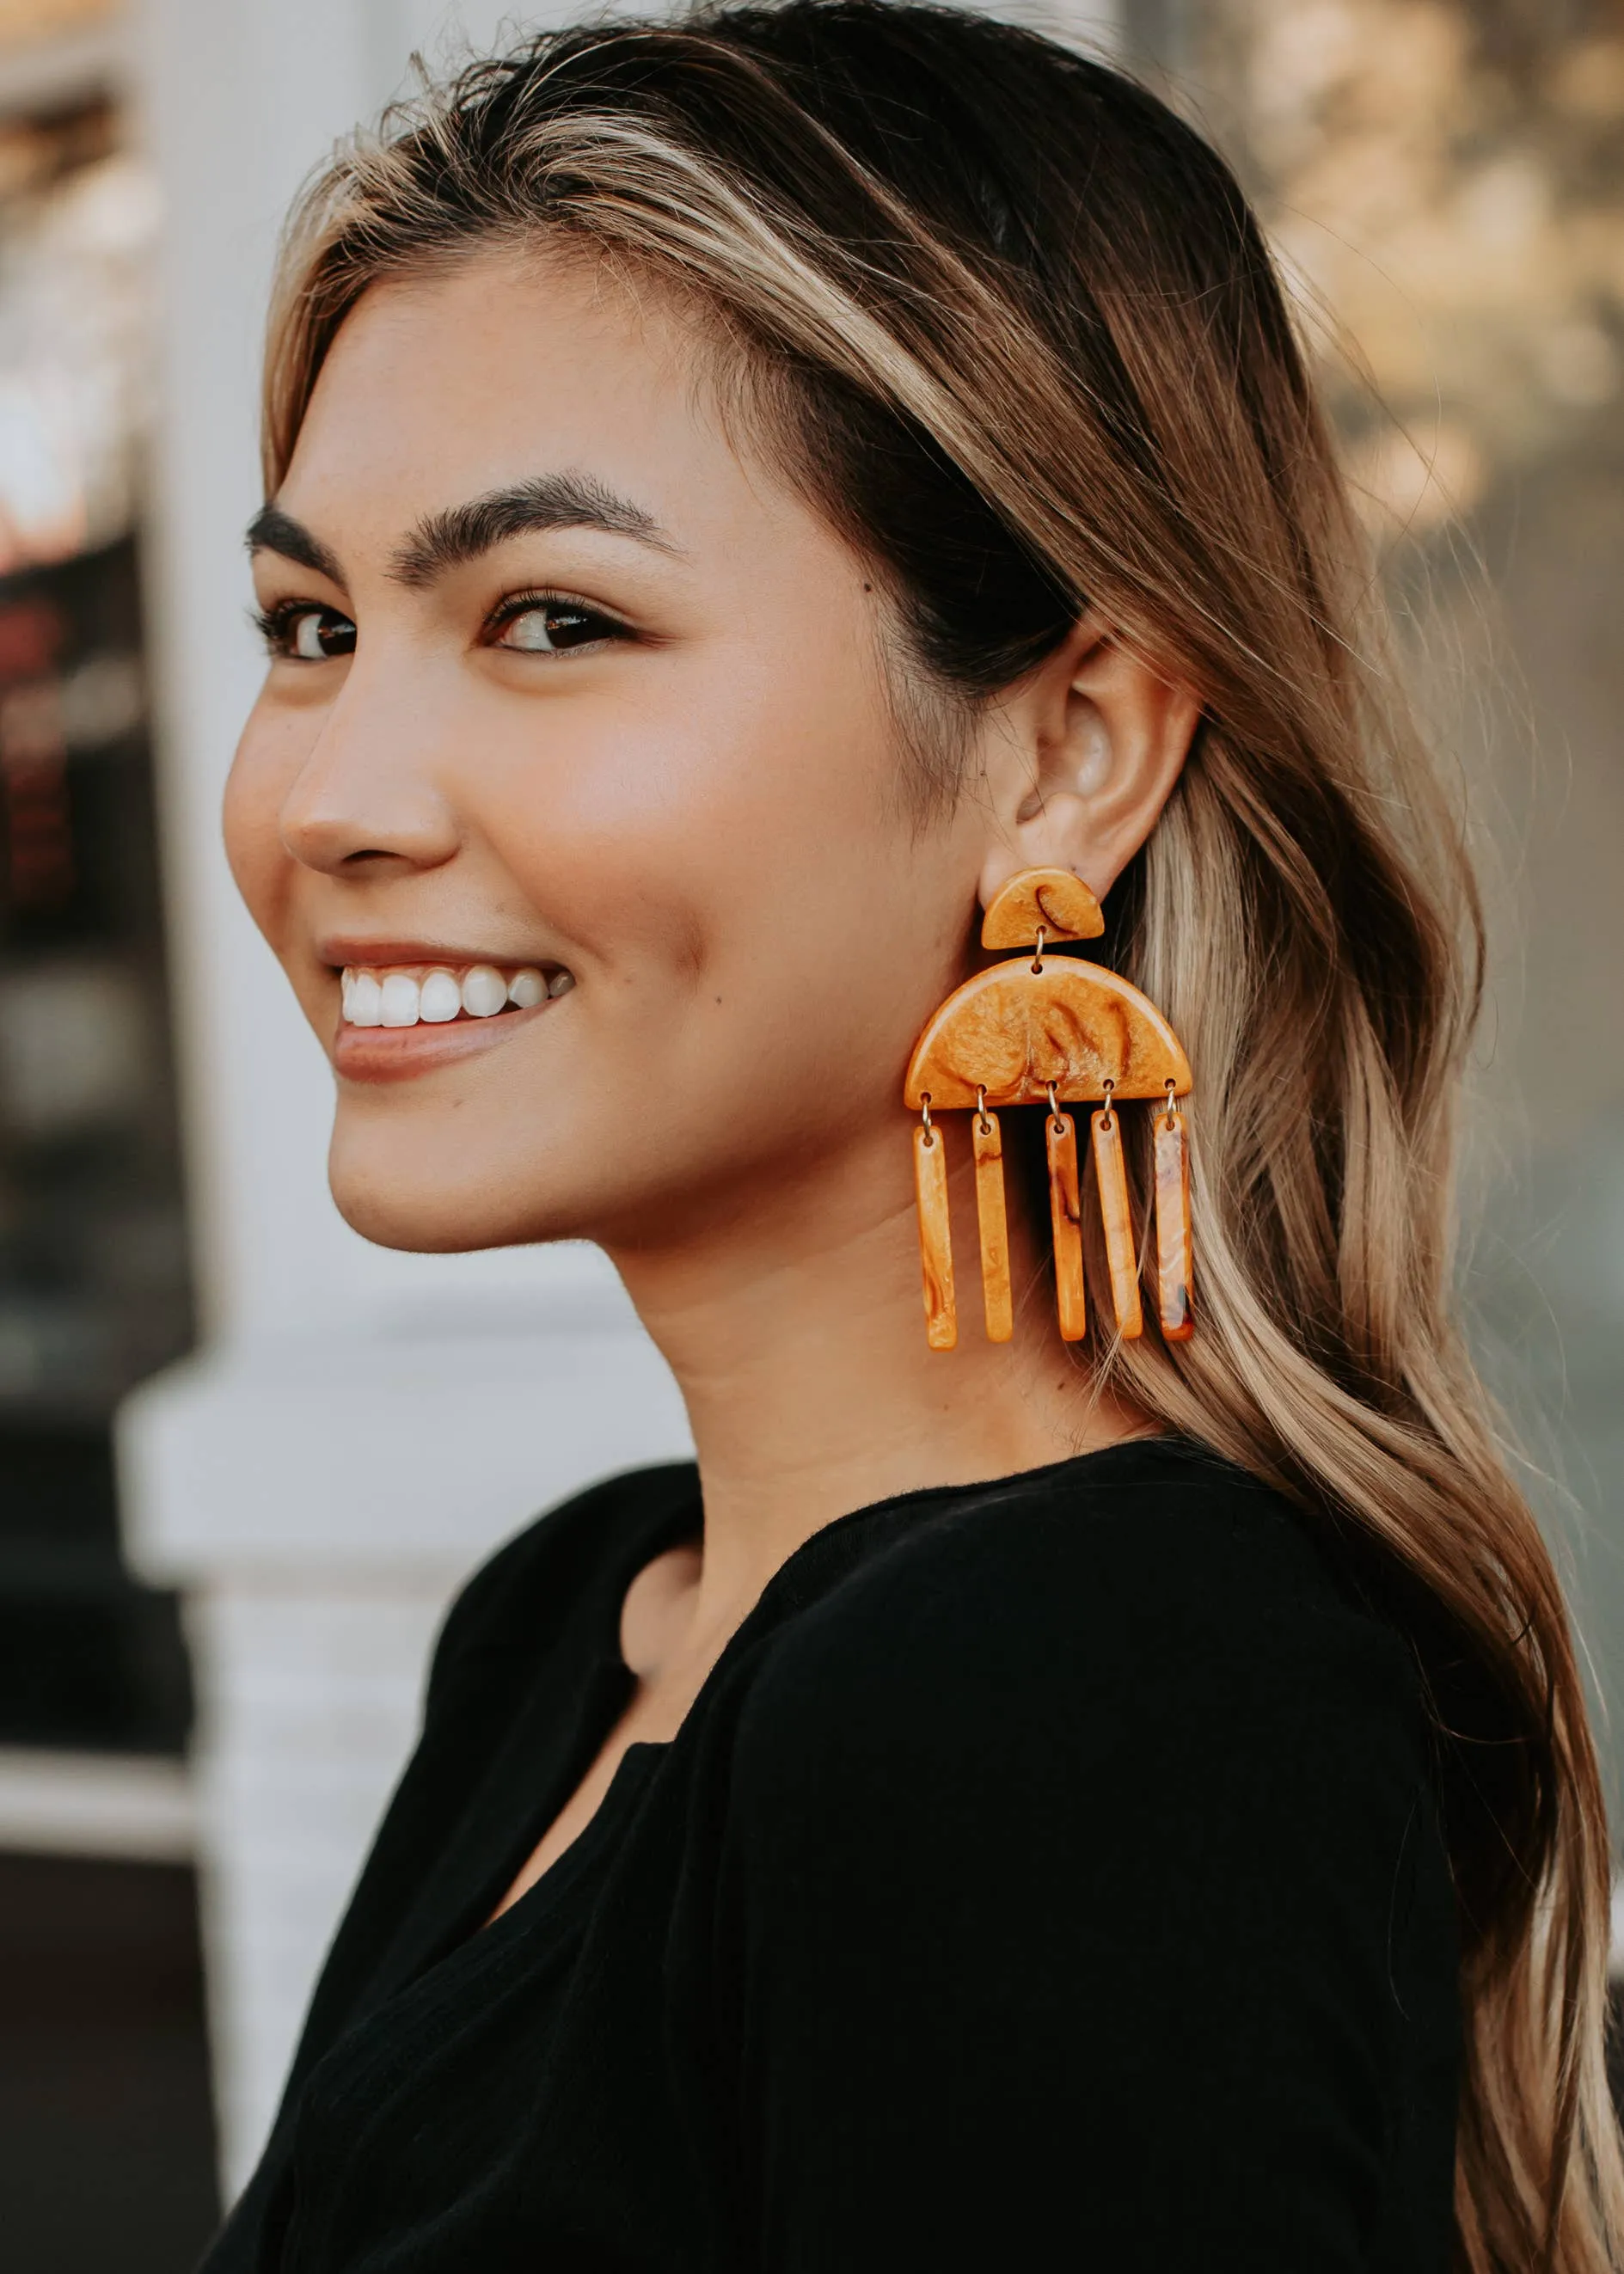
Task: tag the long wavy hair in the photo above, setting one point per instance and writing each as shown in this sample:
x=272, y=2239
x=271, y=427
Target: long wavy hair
x=1013, y=327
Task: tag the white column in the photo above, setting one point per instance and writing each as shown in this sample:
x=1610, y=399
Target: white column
x=359, y=1427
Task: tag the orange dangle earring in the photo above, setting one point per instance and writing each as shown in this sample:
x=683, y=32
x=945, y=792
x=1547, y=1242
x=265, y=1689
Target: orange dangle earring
x=1051, y=1031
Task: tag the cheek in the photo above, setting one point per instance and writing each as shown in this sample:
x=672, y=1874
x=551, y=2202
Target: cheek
x=735, y=806
x=745, y=889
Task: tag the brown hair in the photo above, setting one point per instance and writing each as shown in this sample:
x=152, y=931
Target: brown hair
x=1017, y=333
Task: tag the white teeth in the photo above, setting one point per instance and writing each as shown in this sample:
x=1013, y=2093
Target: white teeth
x=400, y=1000
x=439, y=999
x=364, y=1007
x=397, y=1000
x=485, y=991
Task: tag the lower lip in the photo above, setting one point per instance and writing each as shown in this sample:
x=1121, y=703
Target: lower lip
x=401, y=1053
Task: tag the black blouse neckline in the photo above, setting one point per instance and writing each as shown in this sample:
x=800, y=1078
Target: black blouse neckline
x=610, y=1673
x=641, y=1762
x=605, y=1692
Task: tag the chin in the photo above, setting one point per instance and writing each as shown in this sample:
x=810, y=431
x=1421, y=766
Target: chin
x=428, y=1211
x=418, y=1227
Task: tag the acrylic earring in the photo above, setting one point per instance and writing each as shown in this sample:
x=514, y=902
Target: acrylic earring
x=1110, y=1176
x=935, y=1237
x=1052, y=1030
x=1065, y=1221
x=1175, y=1260
x=987, y=1143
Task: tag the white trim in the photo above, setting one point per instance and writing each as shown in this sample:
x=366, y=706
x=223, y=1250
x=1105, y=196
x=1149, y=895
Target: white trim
x=132, y=1808
x=357, y=1458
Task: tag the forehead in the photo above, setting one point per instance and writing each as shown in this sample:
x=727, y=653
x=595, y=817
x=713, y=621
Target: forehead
x=451, y=384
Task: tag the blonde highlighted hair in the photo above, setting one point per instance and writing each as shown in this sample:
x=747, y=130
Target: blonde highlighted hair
x=1012, y=325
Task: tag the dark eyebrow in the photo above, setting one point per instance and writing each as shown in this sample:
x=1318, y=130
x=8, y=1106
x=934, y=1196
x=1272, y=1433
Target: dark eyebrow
x=273, y=531
x=562, y=501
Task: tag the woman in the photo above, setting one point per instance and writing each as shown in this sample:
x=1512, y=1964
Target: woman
x=740, y=494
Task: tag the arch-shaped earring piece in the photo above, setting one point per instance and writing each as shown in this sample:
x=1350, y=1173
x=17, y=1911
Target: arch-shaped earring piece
x=1051, y=1030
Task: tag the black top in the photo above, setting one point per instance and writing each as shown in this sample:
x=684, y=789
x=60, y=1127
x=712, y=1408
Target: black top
x=1048, y=1871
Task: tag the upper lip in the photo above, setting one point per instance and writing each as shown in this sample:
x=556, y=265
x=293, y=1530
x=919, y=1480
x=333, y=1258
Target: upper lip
x=346, y=949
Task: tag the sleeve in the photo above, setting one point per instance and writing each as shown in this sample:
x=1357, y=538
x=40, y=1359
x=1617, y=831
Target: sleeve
x=1077, y=1955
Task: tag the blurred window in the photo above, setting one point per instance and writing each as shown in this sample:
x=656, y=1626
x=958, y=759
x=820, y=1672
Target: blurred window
x=93, y=1281
x=1444, y=180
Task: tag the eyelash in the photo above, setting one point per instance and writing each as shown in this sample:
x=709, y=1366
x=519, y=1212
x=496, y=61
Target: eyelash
x=274, y=624
x=522, y=604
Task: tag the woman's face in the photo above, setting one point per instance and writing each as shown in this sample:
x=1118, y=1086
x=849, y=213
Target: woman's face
x=568, y=695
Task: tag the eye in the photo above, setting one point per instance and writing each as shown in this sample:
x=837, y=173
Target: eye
x=547, y=624
x=303, y=632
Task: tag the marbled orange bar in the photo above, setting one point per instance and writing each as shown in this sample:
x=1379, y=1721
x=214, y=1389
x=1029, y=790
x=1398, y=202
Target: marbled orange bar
x=935, y=1237
x=1065, y=1216
x=988, y=1141
x=1111, y=1175
x=1175, y=1247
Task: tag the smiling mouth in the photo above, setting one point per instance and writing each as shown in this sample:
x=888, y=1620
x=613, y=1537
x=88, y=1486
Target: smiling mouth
x=398, y=1021
x=443, y=995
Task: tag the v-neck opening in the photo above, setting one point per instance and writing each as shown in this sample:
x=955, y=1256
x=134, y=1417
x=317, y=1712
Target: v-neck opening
x=608, y=1661
x=601, y=1686
x=573, y=1865
x=605, y=1681
x=607, y=1678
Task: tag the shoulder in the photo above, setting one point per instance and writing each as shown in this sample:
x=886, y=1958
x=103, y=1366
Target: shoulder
x=529, y=1585
x=1080, y=1814
x=1149, y=1613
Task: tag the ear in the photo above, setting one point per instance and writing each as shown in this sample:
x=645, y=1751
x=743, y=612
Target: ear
x=1083, y=756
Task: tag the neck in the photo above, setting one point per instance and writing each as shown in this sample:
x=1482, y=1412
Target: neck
x=796, y=1333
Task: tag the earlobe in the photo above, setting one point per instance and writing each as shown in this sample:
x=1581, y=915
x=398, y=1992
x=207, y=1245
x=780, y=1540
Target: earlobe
x=1100, y=738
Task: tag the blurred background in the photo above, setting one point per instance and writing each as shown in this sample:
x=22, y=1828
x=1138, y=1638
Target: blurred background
x=244, y=1459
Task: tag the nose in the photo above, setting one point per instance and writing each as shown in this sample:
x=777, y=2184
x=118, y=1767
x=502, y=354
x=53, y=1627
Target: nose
x=367, y=796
